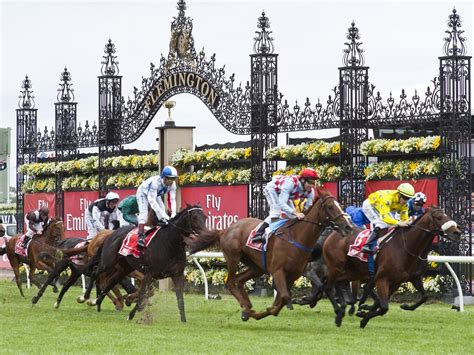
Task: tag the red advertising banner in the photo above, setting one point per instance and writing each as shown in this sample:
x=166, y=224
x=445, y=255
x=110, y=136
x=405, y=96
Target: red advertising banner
x=223, y=205
x=75, y=205
x=428, y=186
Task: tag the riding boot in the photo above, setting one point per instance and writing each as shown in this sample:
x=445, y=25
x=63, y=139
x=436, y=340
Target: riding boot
x=370, y=243
x=25, y=241
x=141, y=236
x=259, y=236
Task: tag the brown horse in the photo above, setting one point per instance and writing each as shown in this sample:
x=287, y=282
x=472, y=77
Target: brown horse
x=397, y=261
x=287, y=252
x=41, y=252
x=77, y=270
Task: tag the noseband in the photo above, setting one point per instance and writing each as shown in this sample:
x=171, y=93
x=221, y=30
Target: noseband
x=441, y=230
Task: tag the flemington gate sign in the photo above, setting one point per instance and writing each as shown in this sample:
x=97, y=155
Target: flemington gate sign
x=257, y=109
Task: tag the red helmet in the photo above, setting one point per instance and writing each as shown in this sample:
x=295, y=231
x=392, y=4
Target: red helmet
x=309, y=173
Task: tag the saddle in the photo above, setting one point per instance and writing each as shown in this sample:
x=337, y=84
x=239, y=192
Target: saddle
x=129, y=244
x=269, y=231
x=355, y=249
x=19, y=250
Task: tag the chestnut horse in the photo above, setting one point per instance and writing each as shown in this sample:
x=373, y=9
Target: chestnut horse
x=41, y=252
x=287, y=252
x=397, y=261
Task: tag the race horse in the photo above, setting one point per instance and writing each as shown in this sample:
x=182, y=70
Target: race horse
x=41, y=253
x=397, y=261
x=287, y=252
x=165, y=256
x=78, y=268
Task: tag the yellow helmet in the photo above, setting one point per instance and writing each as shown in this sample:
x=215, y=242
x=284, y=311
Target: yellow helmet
x=406, y=189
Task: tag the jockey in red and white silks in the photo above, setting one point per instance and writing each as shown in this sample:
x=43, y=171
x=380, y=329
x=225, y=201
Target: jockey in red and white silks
x=280, y=193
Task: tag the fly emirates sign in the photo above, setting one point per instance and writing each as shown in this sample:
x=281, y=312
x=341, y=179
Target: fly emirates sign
x=223, y=205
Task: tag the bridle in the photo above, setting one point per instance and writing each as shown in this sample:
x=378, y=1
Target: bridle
x=188, y=215
x=327, y=221
x=441, y=230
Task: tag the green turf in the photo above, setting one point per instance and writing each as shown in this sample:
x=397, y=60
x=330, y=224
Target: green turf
x=215, y=327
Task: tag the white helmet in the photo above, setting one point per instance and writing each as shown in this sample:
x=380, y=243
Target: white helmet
x=420, y=197
x=112, y=196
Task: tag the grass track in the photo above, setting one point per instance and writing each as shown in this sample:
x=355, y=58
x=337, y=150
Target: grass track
x=215, y=327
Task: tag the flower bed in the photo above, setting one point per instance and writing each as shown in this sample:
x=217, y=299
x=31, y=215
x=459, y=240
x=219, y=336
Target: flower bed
x=7, y=208
x=222, y=177
x=402, y=169
x=210, y=157
x=414, y=144
x=326, y=172
x=311, y=151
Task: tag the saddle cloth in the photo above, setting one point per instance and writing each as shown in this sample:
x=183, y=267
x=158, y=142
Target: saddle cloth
x=79, y=258
x=129, y=244
x=359, y=242
x=272, y=228
x=19, y=250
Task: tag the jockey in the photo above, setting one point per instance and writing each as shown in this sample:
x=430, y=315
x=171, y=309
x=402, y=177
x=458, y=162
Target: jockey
x=280, y=193
x=129, y=208
x=100, y=213
x=415, y=205
x=35, y=221
x=380, y=208
x=150, y=192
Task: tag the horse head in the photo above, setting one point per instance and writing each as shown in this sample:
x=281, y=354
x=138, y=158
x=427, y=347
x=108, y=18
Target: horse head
x=54, y=230
x=191, y=219
x=438, y=222
x=329, y=213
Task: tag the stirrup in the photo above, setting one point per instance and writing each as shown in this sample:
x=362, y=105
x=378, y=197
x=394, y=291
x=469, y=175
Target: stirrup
x=367, y=249
x=258, y=238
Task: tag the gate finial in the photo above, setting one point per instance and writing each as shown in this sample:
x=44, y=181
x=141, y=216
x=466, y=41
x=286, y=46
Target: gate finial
x=110, y=63
x=27, y=100
x=353, y=54
x=454, y=43
x=263, y=43
x=182, y=41
x=65, y=93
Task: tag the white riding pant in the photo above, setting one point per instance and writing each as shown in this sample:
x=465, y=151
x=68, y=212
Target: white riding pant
x=274, y=204
x=142, y=202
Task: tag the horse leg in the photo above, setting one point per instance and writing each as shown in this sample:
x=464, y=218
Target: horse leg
x=384, y=295
x=245, y=304
x=355, y=285
x=240, y=280
x=178, y=281
x=116, y=298
x=111, y=282
x=367, y=290
x=342, y=305
x=33, y=278
x=60, y=267
x=16, y=270
x=274, y=309
x=75, y=274
x=418, y=283
x=141, y=295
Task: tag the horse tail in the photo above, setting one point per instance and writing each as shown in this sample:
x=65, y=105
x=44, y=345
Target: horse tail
x=74, y=251
x=317, y=252
x=3, y=250
x=204, y=240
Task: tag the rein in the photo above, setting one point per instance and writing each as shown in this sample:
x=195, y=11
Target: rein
x=192, y=231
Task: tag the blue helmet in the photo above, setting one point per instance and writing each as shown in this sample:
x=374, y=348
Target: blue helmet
x=169, y=171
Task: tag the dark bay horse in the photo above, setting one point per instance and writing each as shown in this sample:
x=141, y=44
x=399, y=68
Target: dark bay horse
x=164, y=257
x=287, y=253
x=41, y=252
x=397, y=261
x=77, y=270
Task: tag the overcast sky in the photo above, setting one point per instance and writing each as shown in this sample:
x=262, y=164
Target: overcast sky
x=402, y=42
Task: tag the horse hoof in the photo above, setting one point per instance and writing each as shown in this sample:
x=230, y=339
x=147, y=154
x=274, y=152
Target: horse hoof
x=128, y=303
x=35, y=299
x=92, y=303
x=80, y=299
x=351, y=311
x=55, y=289
x=406, y=307
x=361, y=314
x=289, y=306
x=364, y=307
x=363, y=323
x=245, y=315
x=119, y=308
x=56, y=304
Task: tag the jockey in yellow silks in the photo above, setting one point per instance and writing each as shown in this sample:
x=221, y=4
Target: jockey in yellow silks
x=380, y=208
